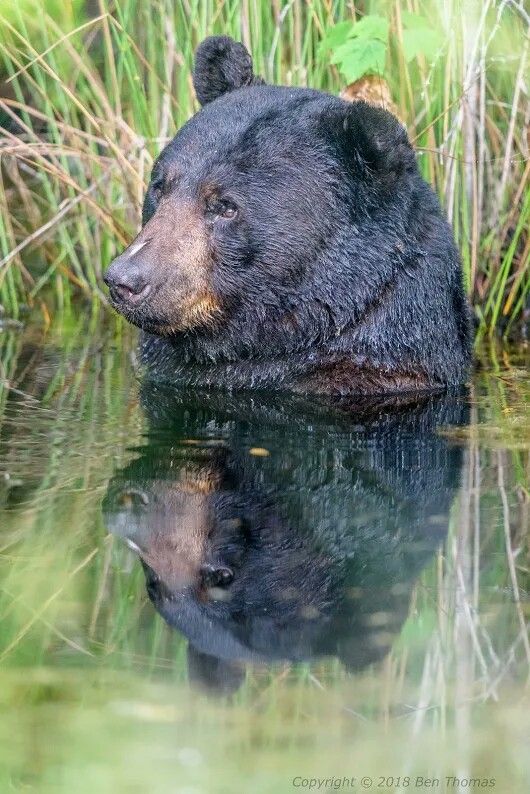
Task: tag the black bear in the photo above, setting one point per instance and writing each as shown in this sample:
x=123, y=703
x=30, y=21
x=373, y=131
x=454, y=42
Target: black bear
x=309, y=551
x=289, y=242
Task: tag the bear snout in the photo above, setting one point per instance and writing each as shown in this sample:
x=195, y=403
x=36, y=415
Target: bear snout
x=163, y=282
x=127, y=280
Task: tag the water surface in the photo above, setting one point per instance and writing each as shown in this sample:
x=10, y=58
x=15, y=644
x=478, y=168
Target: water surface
x=212, y=593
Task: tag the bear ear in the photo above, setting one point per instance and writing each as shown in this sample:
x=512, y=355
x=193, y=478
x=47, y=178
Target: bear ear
x=221, y=65
x=379, y=141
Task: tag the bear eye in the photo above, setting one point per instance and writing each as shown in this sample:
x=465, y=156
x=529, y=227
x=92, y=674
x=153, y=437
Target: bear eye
x=221, y=208
x=228, y=209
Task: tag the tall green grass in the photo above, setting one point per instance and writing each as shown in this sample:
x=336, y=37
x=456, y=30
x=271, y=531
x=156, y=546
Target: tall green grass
x=88, y=102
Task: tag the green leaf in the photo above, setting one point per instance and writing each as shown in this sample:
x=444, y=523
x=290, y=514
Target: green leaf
x=371, y=27
x=421, y=42
x=344, y=51
x=414, y=21
x=420, y=37
x=336, y=36
x=365, y=57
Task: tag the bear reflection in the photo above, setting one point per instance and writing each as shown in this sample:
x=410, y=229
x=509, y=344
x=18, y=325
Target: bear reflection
x=280, y=530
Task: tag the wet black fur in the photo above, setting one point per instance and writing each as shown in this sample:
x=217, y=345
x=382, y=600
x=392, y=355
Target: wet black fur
x=221, y=65
x=340, y=252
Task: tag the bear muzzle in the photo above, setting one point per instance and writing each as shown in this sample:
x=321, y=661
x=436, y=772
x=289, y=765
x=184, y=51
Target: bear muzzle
x=163, y=281
x=127, y=280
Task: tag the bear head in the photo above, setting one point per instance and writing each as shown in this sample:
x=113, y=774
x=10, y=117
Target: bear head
x=248, y=209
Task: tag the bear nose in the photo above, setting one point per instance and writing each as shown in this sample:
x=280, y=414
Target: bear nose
x=126, y=282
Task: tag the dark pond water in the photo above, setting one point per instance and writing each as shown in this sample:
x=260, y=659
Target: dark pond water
x=211, y=593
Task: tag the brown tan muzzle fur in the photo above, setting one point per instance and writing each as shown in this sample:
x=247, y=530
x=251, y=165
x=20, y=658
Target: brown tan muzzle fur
x=163, y=281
